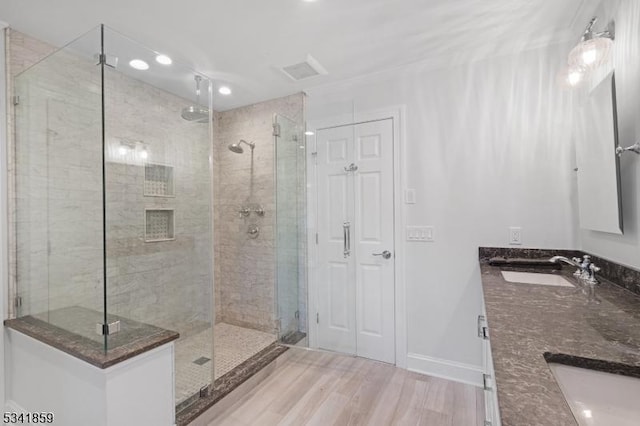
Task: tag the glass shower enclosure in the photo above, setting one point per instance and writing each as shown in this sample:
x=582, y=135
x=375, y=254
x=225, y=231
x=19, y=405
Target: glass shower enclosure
x=291, y=255
x=112, y=224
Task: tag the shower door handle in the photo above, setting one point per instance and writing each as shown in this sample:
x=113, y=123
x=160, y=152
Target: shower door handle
x=346, y=234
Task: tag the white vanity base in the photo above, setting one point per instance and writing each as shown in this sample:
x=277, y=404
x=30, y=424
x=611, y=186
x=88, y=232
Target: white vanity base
x=40, y=378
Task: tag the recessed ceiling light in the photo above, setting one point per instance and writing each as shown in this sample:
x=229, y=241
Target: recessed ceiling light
x=164, y=60
x=309, y=133
x=224, y=90
x=139, y=64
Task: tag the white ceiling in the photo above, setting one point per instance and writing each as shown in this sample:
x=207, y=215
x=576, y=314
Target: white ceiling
x=242, y=43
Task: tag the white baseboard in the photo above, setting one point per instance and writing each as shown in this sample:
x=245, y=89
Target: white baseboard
x=11, y=407
x=444, y=369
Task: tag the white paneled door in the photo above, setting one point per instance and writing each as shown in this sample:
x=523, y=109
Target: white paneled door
x=355, y=240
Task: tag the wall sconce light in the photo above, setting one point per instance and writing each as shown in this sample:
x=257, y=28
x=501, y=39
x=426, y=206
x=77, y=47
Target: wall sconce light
x=593, y=49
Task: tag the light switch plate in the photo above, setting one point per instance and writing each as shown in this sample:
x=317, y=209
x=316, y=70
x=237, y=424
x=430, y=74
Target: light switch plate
x=409, y=196
x=421, y=233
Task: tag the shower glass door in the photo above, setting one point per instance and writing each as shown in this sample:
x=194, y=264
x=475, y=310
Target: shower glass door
x=290, y=231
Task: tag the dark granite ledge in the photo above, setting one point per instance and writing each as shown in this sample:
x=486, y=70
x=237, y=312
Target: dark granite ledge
x=486, y=253
x=224, y=385
x=134, y=338
x=621, y=275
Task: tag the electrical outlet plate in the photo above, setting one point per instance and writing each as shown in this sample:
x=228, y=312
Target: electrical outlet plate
x=421, y=233
x=515, y=235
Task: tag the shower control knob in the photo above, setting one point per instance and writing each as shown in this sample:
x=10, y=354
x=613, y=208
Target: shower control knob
x=385, y=254
x=253, y=231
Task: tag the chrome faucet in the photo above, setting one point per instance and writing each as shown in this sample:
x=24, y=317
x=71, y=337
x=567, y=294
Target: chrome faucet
x=585, y=269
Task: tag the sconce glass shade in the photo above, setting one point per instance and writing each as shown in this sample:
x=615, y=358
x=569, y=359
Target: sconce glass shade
x=571, y=77
x=575, y=76
x=591, y=53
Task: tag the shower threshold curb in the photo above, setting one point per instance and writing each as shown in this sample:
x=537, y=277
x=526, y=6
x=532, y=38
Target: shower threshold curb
x=226, y=384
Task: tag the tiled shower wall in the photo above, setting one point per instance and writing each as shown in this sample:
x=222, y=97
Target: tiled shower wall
x=245, y=267
x=167, y=283
x=59, y=227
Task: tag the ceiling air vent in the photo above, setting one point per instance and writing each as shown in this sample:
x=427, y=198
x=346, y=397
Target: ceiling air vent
x=303, y=70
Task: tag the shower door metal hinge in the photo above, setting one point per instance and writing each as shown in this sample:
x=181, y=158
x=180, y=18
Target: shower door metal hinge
x=108, y=329
x=297, y=315
x=17, y=301
x=102, y=59
x=317, y=318
x=317, y=238
x=276, y=129
x=108, y=60
x=16, y=100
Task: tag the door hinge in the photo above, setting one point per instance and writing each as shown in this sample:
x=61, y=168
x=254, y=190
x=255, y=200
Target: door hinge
x=17, y=301
x=16, y=100
x=297, y=314
x=108, y=329
x=485, y=382
x=276, y=129
x=317, y=318
x=317, y=238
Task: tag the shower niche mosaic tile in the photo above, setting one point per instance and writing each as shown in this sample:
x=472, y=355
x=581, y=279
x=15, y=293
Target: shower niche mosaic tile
x=158, y=180
x=159, y=225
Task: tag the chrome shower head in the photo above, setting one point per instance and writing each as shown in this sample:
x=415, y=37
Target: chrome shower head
x=196, y=113
x=235, y=147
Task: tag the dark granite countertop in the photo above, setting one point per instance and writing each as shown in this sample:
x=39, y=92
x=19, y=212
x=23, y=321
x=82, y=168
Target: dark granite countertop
x=72, y=330
x=532, y=324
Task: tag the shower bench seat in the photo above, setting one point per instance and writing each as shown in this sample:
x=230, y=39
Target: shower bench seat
x=70, y=374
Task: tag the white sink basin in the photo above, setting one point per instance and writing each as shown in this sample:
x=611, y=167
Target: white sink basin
x=597, y=398
x=536, y=278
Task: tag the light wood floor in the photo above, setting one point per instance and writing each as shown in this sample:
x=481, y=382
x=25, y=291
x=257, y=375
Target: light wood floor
x=318, y=388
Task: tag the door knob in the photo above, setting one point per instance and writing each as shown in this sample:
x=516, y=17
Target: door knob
x=385, y=254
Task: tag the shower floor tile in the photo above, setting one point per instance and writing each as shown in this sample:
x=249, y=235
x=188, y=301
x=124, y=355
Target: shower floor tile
x=234, y=345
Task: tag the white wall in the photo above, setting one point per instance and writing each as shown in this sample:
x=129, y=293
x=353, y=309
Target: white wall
x=488, y=146
x=625, y=248
x=4, y=239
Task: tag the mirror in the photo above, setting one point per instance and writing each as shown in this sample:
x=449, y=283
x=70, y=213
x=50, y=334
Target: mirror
x=598, y=165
